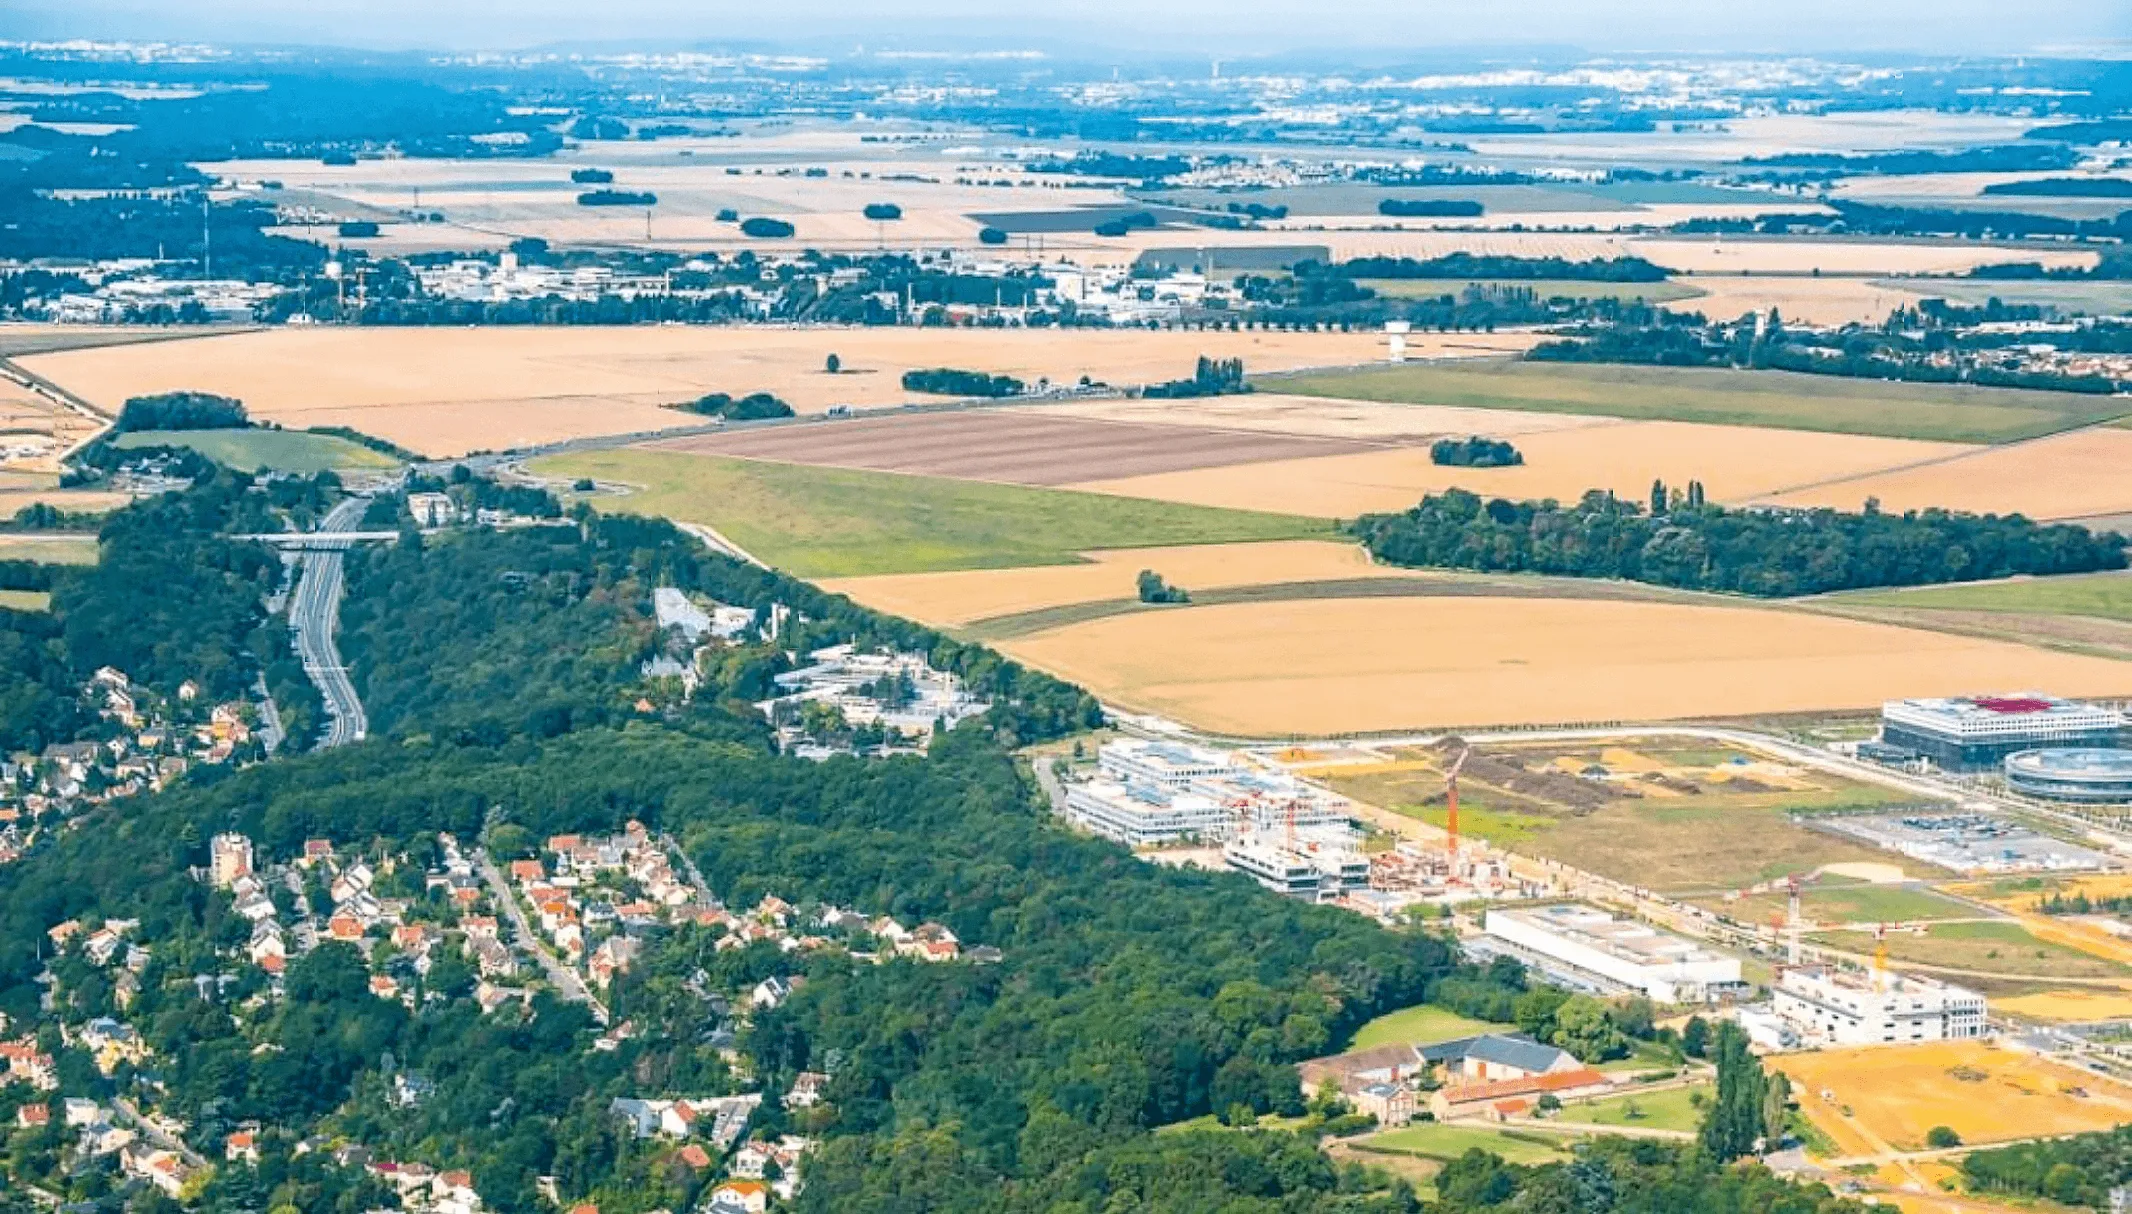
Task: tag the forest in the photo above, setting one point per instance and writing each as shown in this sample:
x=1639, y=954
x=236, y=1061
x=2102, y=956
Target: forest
x=1690, y=544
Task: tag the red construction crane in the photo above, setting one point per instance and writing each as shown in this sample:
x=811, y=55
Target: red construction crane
x=1451, y=797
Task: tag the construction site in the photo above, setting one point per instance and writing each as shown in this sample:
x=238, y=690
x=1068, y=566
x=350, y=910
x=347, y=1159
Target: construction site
x=1290, y=835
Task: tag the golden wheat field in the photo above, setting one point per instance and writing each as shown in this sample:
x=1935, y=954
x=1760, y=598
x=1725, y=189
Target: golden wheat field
x=2077, y=475
x=2068, y=1006
x=1897, y=1093
x=1276, y=413
x=1734, y=463
x=1358, y=665
x=1814, y=301
x=445, y=392
x=945, y=599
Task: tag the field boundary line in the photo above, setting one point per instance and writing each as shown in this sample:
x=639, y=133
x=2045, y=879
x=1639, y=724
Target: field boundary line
x=1975, y=451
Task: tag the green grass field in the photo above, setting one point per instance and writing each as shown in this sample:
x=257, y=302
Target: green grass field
x=1545, y=288
x=1784, y=400
x=1668, y=1109
x=1448, y=1142
x=1846, y=904
x=838, y=522
x=2087, y=298
x=58, y=550
x=1422, y=1025
x=1993, y=948
x=281, y=450
x=2103, y=595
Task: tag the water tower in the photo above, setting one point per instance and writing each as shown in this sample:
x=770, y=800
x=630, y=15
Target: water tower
x=1395, y=336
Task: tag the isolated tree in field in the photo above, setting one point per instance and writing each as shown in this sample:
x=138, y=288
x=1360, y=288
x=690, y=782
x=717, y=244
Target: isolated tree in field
x=1941, y=1137
x=833, y=364
x=1154, y=590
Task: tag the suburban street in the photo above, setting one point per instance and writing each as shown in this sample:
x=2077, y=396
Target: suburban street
x=314, y=613
x=564, y=979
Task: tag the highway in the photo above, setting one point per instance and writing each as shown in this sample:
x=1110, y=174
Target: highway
x=314, y=612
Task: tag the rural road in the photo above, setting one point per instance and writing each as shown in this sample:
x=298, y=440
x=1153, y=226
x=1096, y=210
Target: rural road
x=133, y=1119
x=564, y=979
x=314, y=612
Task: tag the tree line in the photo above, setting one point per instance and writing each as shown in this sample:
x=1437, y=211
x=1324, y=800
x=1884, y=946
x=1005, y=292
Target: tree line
x=1700, y=546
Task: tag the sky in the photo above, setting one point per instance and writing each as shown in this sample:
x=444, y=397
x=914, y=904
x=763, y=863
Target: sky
x=1150, y=28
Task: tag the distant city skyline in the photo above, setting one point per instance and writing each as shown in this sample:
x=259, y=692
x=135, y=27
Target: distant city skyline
x=1165, y=29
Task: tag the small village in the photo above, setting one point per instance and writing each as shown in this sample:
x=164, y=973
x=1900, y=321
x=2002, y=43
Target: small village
x=569, y=922
x=147, y=742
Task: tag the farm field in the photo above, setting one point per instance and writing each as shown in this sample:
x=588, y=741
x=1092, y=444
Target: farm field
x=1679, y=1108
x=1663, y=817
x=25, y=600
x=1735, y=463
x=281, y=450
x=837, y=522
x=1814, y=301
x=1357, y=665
x=2008, y=949
x=38, y=430
x=74, y=501
x=1279, y=413
x=2091, y=298
x=50, y=549
x=1448, y=1142
x=1424, y=1024
x=967, y=596
x=2106, y=596
x=2068, y=1006
x=1896, y=1093
x=1953, y=413
x=1024, y=446
x=448, y=391
x=1780, y=255
x=2065, y=476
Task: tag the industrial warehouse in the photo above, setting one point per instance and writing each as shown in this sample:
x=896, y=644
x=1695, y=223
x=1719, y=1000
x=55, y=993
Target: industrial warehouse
x=1591, y=949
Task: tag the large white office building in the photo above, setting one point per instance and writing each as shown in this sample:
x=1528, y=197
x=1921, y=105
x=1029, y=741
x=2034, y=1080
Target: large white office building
x=1621, y=954
x=1970, y=732
x=1151, y=793
x=1146, y=815
x=1830, y=1006
x=1164, y=764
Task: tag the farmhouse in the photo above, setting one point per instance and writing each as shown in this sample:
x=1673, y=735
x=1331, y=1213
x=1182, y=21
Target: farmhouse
x=1494, y=1057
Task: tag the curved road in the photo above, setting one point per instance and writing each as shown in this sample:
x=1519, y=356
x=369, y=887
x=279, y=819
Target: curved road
x=314, y=612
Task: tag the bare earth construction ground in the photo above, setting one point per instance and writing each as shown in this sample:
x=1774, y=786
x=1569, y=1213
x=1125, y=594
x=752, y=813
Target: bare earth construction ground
x=1019, y=445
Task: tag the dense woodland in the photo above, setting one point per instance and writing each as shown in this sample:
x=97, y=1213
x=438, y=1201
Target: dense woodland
x=1682, y=541
x=2076, y=1171
x=169, y=600
x=1925, y=344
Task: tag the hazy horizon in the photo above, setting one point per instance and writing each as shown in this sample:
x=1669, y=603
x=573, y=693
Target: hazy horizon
x=1157, y=28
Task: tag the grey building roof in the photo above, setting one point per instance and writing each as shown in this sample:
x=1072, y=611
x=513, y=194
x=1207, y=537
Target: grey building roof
x=1503, y=1049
